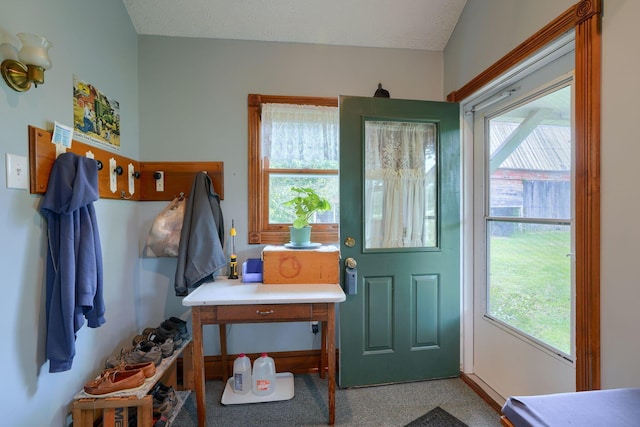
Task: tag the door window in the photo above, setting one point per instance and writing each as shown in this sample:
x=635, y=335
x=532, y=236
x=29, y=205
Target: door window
x=400, y=202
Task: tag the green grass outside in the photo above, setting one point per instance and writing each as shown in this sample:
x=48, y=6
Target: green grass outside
x=530, y=284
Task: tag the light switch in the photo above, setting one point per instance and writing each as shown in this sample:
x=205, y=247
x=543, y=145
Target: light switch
x=17, y=172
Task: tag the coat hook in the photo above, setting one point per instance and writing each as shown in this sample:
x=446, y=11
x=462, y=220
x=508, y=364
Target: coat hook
x=118, y=170
x=99, y=165
x=136, y=175
x=122, y=195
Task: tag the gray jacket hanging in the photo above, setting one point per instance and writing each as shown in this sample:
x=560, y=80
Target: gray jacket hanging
x=200, y=253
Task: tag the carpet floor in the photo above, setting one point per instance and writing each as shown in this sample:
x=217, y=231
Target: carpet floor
x=387, y=405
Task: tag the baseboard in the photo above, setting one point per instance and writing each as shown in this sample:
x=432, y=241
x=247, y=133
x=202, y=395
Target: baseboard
x=484, y=391
x=296, y=362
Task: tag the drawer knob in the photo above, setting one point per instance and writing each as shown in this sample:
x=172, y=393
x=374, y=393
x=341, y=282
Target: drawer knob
x=264, y=313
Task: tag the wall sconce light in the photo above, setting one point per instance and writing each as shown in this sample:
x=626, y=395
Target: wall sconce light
x=21, y=69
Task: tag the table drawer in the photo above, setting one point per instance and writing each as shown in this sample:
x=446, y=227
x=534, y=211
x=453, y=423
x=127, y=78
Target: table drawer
x=263, y=312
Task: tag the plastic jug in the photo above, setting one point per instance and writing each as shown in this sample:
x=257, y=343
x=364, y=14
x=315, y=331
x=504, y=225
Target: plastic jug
x=263, y=375
x=241, y=374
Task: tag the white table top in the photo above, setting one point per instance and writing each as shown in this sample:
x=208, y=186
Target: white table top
x=236, y=292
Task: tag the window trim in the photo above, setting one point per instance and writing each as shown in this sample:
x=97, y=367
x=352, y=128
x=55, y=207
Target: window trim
x=260, y=231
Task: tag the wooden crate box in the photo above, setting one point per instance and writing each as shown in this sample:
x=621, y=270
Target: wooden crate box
x=114, y=411
x=281, y=265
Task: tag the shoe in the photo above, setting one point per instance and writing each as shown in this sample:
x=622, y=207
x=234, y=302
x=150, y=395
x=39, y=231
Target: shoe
x=144, y=351
x=148, y=368
x=167, y=346
x=160, y=388
x=163, y=333
x=164, y=407
x=112, y=381
x=164, y=401
x=144, y=335
x=148, y=331
x=177, y=323
x=165, y=341
x=138, y=339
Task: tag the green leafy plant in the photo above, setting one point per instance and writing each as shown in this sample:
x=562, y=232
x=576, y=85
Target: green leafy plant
x=305, y=204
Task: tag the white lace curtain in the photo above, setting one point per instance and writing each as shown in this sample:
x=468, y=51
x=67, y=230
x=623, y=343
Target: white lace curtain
x=299, y=133
x=399, y=159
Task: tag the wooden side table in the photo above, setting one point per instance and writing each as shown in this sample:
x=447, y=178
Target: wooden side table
x=231, y=301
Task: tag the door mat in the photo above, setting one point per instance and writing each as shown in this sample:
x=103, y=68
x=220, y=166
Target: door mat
x=437, y=417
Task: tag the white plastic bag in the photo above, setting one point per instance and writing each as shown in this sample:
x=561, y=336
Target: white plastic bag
x=164, y=236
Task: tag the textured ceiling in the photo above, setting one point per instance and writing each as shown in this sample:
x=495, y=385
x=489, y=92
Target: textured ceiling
x=410, y=24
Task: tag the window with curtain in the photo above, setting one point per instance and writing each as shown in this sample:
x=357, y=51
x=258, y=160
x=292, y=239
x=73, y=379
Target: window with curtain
x=293, y=141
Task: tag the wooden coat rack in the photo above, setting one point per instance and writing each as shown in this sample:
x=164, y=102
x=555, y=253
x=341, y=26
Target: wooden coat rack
x=177, y=176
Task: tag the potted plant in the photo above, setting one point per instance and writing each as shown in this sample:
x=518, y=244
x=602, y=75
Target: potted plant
x=305, y=204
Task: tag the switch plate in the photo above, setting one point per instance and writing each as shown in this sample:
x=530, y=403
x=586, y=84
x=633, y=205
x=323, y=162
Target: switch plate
x=17, y=172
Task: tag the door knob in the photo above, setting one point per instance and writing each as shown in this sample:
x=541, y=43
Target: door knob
x=351, y=276
x=350, y=263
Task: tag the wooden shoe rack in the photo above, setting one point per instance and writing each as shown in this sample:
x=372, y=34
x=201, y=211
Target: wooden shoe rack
x=115, y=409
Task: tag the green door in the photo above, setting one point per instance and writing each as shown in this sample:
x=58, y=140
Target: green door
x=400, y=225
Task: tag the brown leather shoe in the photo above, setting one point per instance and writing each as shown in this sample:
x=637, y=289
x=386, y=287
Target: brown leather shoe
x=147, y=368
x=111, y=381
